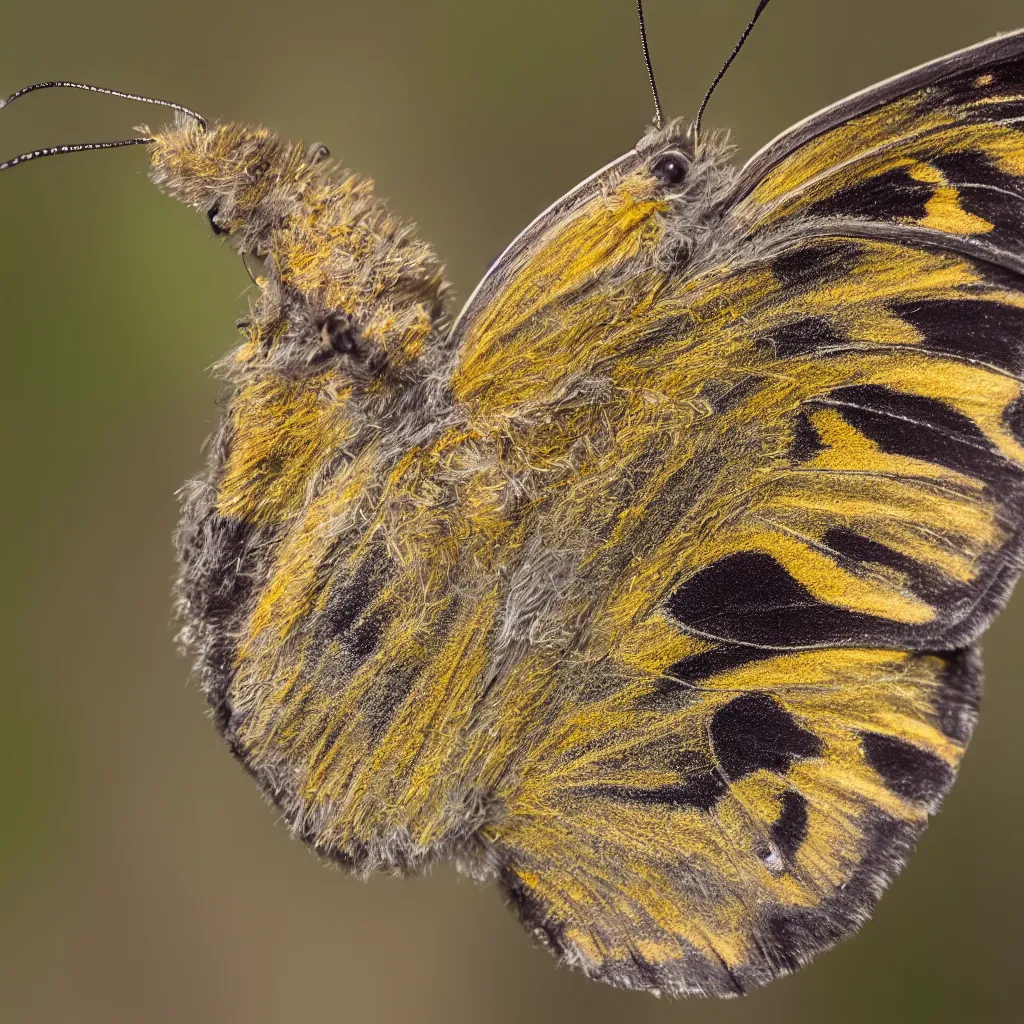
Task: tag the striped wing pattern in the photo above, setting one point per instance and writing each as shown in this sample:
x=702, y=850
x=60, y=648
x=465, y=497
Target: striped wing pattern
x=793, y=630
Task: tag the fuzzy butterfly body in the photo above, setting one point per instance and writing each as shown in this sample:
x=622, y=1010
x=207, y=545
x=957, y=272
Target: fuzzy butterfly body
x=651, y=585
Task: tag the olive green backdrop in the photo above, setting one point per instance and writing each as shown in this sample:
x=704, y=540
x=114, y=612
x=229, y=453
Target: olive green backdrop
x=141, y=876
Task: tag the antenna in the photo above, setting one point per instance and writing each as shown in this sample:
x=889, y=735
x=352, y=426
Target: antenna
x=647, y=60
x=81, y=147
x=725, y=67
x=76, y=147
x=106, y=92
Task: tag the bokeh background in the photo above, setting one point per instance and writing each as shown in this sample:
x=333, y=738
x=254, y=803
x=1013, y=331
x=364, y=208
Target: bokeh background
x=141, y=876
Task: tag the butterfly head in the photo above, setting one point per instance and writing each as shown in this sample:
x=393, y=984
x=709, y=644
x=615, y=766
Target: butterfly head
x=693, y=172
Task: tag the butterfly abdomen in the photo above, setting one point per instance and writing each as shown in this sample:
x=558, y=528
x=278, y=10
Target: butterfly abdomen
x=333, y=375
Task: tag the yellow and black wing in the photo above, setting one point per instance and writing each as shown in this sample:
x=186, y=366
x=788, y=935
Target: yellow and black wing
x=653, y=585
x=819, y=509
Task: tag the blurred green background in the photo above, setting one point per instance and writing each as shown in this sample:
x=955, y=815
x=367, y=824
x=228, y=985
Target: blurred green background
x=141, y=876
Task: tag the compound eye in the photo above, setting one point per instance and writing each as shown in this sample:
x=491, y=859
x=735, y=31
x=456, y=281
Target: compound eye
x=669, y=168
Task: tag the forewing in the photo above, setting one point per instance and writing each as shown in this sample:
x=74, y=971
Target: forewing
x=782, y=676
x=937, y=148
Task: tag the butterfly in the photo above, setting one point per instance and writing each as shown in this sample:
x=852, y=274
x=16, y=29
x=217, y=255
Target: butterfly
x=650, y=585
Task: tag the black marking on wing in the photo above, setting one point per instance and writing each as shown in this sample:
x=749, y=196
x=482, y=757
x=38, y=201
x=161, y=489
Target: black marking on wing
x=723, y=397
x=347, y=616
x=910, y=772
x=701, y=786
x=364, y=638
x=892, y=195
x=858, y=548
x=920, y=428
x=677, y=687
x=698, y=667
x=1014, y=419
x=959, y=694
x=754, y=731
x=790, y=828
x=703, y=792
x=806, y=337
x=807, y=443
x=808, y=265
x=348, y=602
x=748, y=597
x=988, y=331
x=987, y=192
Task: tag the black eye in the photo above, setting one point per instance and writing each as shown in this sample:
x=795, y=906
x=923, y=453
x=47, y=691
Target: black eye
x=669, y=168
x=212, y=215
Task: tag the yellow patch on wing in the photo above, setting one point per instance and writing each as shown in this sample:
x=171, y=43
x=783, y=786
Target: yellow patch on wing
x=282, y=432
x=944, y=211
x=512, y=355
